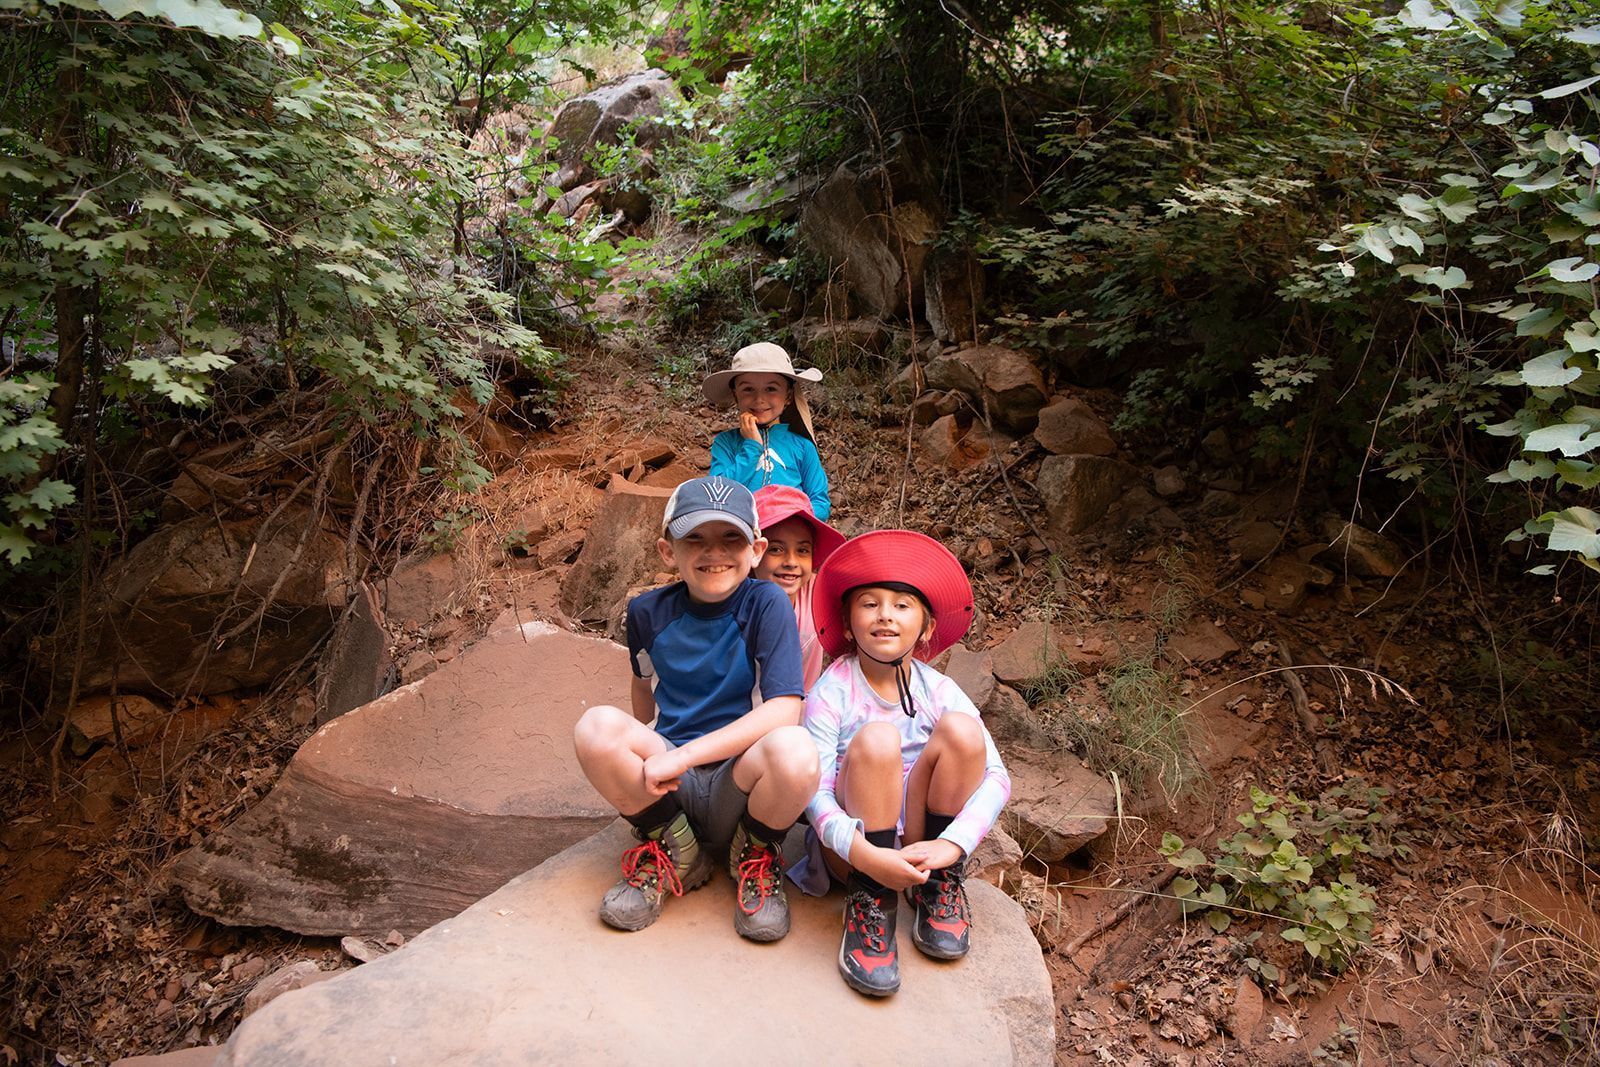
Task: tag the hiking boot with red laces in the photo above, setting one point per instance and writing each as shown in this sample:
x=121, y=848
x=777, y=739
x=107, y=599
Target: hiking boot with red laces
x=669, y=861
x=762, y=910
x=943, y=918
x=869, y=959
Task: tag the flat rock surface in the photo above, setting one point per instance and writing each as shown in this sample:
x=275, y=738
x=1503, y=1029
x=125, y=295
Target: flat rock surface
x=406, y=810
x=529, y=975
x=1057, y=805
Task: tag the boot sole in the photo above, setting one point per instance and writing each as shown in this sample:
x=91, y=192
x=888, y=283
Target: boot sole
x=858, y=985
x=761, y=935
x=934, y=953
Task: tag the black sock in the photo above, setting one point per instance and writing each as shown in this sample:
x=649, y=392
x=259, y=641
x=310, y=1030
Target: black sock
x=767, y=835
x=882, y=839
x=935, y=825
x=656, y=815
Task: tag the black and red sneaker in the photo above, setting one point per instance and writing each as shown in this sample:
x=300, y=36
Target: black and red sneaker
x=869, y=959
x=943, y=919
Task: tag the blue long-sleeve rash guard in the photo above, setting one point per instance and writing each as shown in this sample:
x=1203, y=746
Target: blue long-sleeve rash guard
x=787, y=458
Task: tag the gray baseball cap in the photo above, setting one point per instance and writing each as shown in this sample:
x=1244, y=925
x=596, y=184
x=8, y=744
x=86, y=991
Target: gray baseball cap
x=701, y=500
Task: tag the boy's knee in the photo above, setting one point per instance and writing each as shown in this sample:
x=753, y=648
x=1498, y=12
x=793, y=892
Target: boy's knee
x=598, y=728
x=876, y=742
x=960, y=732
x=792, y=755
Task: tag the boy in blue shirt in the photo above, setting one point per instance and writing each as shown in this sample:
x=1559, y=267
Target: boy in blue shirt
x=714, y=771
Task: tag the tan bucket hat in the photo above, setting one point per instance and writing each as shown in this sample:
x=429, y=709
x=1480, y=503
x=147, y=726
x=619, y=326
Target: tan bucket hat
x=764, y=357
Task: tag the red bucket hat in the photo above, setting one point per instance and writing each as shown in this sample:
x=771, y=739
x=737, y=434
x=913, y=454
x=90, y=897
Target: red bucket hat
x=893, y=556
x=774, y=503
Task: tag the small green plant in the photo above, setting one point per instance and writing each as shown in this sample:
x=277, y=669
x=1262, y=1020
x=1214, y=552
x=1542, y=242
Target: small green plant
x=1293, y=860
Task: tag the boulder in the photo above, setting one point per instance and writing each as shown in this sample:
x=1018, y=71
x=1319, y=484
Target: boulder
x=1028, y=654
x=1283, y=584
x=953, y=295
x=831, y=302
x=997, y=857
x=1169, y=481
x=156, y=617
x=355, y=667
x=1057, y=805
x=199, y=488
x=1256, y=541
x=618, y=552
x=285, y=979
x=529, y=975
x=1003, y=379
x=1010, y=718
x=973, y=672
x=930, y=406
x=401, y=813
x=605, y=114
x=833, y=343
x=950, y=443
x=1067, y=427
x=420, y=588
x=90, y=720
x=1367, y=554
x=1217, y=447
x=776, y=199
x=569, y=202
x=1201, y=642
x=874, y=221
x=773, y=294
x=1078, y=490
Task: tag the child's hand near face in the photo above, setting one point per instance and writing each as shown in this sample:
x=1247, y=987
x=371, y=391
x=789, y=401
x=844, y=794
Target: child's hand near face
x=749, y=429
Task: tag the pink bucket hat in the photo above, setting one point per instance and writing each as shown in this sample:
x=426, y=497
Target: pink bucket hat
x=903, y=556
x=774, y=503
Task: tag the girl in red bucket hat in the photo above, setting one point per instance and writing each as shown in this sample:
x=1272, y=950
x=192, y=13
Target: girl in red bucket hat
x=911, y=780
x=797, y=543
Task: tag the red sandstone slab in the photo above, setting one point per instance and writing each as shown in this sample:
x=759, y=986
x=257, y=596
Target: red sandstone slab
x=408, y=809
x=529, y=975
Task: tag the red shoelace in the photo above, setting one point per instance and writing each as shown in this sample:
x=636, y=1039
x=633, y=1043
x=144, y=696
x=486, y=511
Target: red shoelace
x=761, y=868
x=651, y=861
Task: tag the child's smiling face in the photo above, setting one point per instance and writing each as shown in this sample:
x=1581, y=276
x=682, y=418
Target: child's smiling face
x=788, y=559
x=763, y=395
x=887, y=623
x=712, y=559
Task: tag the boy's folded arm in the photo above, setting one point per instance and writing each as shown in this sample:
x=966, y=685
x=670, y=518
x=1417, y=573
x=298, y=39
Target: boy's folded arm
x=736, y=737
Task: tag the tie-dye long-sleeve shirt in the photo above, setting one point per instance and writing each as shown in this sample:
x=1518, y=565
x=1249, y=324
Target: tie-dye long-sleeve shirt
x=842, y=702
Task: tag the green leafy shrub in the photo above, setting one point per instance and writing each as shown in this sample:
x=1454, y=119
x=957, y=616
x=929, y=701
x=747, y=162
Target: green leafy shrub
x=1293, y=860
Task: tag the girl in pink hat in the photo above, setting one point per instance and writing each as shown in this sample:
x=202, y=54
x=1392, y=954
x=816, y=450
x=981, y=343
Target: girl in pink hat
x=773, y=443
x=797, y=543
x=911, y=780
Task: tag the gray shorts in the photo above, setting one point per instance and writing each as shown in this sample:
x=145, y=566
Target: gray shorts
x=713, y=803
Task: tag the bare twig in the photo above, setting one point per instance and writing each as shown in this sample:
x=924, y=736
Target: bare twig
x=1327, y=760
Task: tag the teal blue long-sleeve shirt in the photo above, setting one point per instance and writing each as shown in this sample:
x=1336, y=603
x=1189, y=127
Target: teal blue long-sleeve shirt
x=787, y=458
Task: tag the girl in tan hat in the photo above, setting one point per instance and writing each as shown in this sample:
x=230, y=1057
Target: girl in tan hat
x=773, y=444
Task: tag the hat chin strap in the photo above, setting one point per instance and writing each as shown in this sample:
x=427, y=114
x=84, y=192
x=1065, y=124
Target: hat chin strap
x=902, y=679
